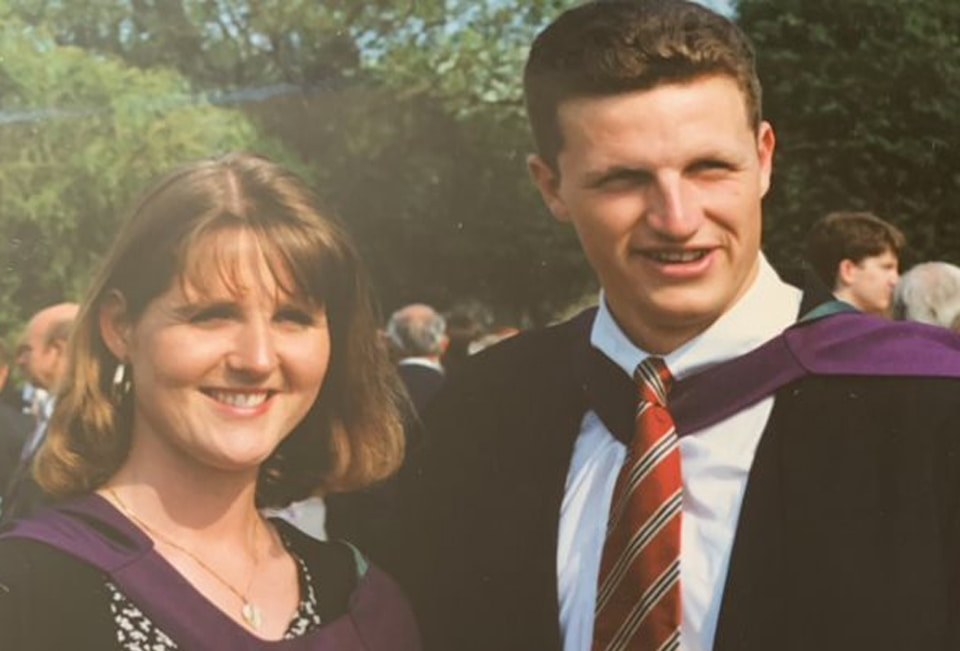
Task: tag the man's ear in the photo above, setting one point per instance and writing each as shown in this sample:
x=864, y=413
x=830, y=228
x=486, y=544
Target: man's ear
x=59, y=345
x=766, y=143
x=115, y=327
x=547, y=180
x=846, y=273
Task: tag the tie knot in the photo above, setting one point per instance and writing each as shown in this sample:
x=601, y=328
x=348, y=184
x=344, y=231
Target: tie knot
x=653, y=380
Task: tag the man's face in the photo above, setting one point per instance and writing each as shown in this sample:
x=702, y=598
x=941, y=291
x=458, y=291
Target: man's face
x=868, y=284
x=39, y=361
x=663, y=187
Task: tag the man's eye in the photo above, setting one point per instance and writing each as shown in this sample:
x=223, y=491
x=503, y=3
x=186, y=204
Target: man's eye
x=711, y=165
x=624, y=179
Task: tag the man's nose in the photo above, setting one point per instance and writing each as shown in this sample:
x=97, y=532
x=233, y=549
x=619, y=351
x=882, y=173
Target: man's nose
x=672, y=212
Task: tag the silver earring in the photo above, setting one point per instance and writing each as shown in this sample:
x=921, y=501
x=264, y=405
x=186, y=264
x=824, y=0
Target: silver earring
x=121, y=385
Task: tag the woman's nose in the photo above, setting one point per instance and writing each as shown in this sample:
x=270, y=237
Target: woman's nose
x=253, y=350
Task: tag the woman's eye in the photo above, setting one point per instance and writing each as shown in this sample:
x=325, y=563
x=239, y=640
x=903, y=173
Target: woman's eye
x=296, y=316
x=209, y=314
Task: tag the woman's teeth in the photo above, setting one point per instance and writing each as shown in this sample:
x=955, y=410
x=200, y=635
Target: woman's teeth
x=239, y=399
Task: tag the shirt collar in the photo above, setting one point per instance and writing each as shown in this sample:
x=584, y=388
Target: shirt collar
x=421, y=361
x=765, y=310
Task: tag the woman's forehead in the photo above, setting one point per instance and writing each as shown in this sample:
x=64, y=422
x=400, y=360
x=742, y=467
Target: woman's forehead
x=234, y=263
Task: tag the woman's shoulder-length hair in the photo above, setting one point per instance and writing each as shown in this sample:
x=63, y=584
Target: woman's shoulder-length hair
x=352, y=435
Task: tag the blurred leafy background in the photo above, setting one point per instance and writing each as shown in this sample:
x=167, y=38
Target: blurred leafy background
x=407, y=115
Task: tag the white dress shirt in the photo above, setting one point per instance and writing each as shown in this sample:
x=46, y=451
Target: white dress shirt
x=45, y=406
x=715, y=461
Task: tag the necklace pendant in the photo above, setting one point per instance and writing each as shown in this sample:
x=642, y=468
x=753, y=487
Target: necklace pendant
x=252, y=615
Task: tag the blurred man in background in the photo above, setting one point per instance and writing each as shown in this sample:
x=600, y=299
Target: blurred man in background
x=857, y=256
x=15, y=425
x=929, y=293
x=418, y=336
x=42, y=358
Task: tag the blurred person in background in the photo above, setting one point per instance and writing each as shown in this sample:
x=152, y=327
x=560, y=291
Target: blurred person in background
x=226, y=359
x=10, y=393
x=929, y=293
x=42, y=358
x=15, y=425
x=418, y=337
x=857, y=256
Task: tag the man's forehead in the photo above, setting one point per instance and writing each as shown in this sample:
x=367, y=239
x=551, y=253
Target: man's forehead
x=699, y=119
x=719, y=95
x=35, y=328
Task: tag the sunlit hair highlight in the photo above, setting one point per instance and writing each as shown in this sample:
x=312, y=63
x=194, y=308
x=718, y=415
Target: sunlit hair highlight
x=351, y=436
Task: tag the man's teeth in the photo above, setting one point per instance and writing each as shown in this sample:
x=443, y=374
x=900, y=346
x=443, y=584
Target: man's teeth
x=239, y=399
x=676, y=256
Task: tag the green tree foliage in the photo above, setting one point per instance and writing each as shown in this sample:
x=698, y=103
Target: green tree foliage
x=440, y=205
x=442, y=202
x=864, y=95
x=80, y=136
x=218, y=44
x=408, y=117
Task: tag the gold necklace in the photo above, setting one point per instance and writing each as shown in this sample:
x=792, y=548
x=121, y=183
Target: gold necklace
x=251, y=613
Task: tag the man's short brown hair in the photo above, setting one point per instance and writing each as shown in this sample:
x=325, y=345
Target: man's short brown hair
x=607, y=48
x=850, y=236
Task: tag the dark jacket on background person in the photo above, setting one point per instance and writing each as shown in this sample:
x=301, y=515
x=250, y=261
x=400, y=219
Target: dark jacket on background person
x=422, y=383
x=15, y=427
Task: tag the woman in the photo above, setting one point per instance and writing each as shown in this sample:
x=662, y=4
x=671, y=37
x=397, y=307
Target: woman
x=226, y=359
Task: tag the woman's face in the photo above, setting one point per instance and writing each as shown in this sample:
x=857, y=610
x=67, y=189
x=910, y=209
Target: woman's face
x=222, y=370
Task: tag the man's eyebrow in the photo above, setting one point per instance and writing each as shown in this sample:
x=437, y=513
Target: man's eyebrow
x=597, y=177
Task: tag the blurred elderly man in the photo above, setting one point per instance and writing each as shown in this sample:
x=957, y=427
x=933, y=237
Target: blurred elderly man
x=42, y=358
x=14, y=425
x=929, y=293
x=418, y=334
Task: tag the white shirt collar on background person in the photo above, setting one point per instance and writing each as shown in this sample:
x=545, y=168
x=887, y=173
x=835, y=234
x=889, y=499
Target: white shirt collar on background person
x=421, y=361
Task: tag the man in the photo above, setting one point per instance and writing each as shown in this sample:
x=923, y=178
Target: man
x=418, y=335
x=42, y=357
x=929, y=293
x=817, y=511
x=14, y=424
x=857, y=255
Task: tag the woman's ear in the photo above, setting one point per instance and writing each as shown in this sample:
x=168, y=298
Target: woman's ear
x=115, y=327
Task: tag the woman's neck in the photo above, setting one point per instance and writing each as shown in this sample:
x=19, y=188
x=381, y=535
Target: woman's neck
x=190, y=500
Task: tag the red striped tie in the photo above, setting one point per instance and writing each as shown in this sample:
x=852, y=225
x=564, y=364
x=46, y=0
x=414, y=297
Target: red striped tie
x=638, y=594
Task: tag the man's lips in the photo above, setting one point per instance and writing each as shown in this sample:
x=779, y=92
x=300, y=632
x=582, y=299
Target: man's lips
x=674, y=256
